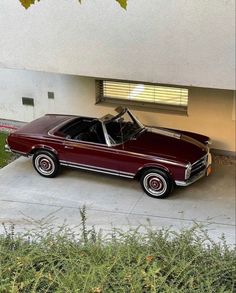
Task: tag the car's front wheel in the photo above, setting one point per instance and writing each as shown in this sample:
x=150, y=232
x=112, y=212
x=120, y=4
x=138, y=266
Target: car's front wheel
x=46, y=163
x=156, y=183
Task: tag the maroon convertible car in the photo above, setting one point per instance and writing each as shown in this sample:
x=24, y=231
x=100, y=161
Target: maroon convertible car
x=119, y=145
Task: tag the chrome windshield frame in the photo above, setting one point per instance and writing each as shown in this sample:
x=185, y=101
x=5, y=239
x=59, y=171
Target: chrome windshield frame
x=120, y=114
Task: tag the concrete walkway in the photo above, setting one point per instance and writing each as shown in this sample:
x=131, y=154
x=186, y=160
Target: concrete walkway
x=117, y=202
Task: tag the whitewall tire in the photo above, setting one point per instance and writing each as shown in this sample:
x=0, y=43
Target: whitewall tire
x=46, y=163
x=156, y=183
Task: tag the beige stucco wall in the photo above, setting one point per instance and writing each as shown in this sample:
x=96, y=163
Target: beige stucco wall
x=185, y=42
x=210, y=111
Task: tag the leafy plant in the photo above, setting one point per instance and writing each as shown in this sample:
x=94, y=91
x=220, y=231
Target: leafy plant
x=61, y=260
x=5, y=157
x=28, y=3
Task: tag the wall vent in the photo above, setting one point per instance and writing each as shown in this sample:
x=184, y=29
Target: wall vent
x=51, y=95
x=27, y=101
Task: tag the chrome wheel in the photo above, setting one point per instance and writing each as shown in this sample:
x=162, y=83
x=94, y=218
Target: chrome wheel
x=156, y=183
x=44, y=164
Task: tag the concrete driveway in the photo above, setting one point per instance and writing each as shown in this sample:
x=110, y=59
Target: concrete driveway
x=117, y=202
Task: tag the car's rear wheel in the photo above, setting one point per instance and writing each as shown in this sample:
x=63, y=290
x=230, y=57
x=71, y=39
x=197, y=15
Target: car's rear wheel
x=156, y=183
x=46, y=163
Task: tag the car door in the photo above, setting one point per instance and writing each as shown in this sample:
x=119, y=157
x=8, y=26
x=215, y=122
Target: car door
x=90, y=155
x=129, y=162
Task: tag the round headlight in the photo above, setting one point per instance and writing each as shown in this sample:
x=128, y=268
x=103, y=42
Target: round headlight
x=188, y=171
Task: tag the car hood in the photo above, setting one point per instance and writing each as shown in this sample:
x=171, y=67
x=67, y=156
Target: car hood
x=168, y=144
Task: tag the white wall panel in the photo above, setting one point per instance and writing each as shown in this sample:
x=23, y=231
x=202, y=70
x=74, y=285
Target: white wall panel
x=183, y=42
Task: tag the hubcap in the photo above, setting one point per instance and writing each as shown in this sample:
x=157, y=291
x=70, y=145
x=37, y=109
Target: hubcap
x=155, y=184
x=44, y=164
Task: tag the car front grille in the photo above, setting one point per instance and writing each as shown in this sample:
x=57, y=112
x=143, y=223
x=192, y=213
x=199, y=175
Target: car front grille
x=199, y=165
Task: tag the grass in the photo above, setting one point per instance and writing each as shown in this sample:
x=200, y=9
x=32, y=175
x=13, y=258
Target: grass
x=5, y=157
x=155, y=261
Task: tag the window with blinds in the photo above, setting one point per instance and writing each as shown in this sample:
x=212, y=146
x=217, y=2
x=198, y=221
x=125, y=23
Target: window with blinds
x=163, y=97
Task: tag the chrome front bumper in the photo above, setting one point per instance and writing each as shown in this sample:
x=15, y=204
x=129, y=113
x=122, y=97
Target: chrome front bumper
x=199, y=175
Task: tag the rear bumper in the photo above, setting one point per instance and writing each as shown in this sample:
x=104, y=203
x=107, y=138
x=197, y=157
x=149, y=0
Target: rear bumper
x=7, y=148
x=198, y=176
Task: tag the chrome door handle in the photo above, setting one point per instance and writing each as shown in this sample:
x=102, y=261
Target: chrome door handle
x=68, y=147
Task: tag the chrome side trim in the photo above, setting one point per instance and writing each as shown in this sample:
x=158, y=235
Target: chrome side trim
x=95, y=169
x=18, y=152
x=109, y=147
x=83, y=142
x=164, y=132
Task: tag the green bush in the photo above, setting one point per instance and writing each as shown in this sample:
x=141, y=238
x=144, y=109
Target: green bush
x=5, y=157
x=151, y=261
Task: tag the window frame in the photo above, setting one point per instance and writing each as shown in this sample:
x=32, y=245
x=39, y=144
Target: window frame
x=139, y=105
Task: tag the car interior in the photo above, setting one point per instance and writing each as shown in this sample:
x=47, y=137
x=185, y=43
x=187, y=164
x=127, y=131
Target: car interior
x=114, y=131
x=84, y=129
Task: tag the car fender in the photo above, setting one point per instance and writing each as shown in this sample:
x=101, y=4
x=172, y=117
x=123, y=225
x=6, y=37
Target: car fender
x=42, y=147
x=153, y=165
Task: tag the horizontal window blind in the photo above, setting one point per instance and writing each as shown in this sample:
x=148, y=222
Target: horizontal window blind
x=144, y=93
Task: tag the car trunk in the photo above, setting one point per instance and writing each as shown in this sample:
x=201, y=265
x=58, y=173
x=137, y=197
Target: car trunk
x=43, y=124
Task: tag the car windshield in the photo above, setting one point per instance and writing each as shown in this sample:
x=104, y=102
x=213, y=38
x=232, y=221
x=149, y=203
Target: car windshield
x=123, y=127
